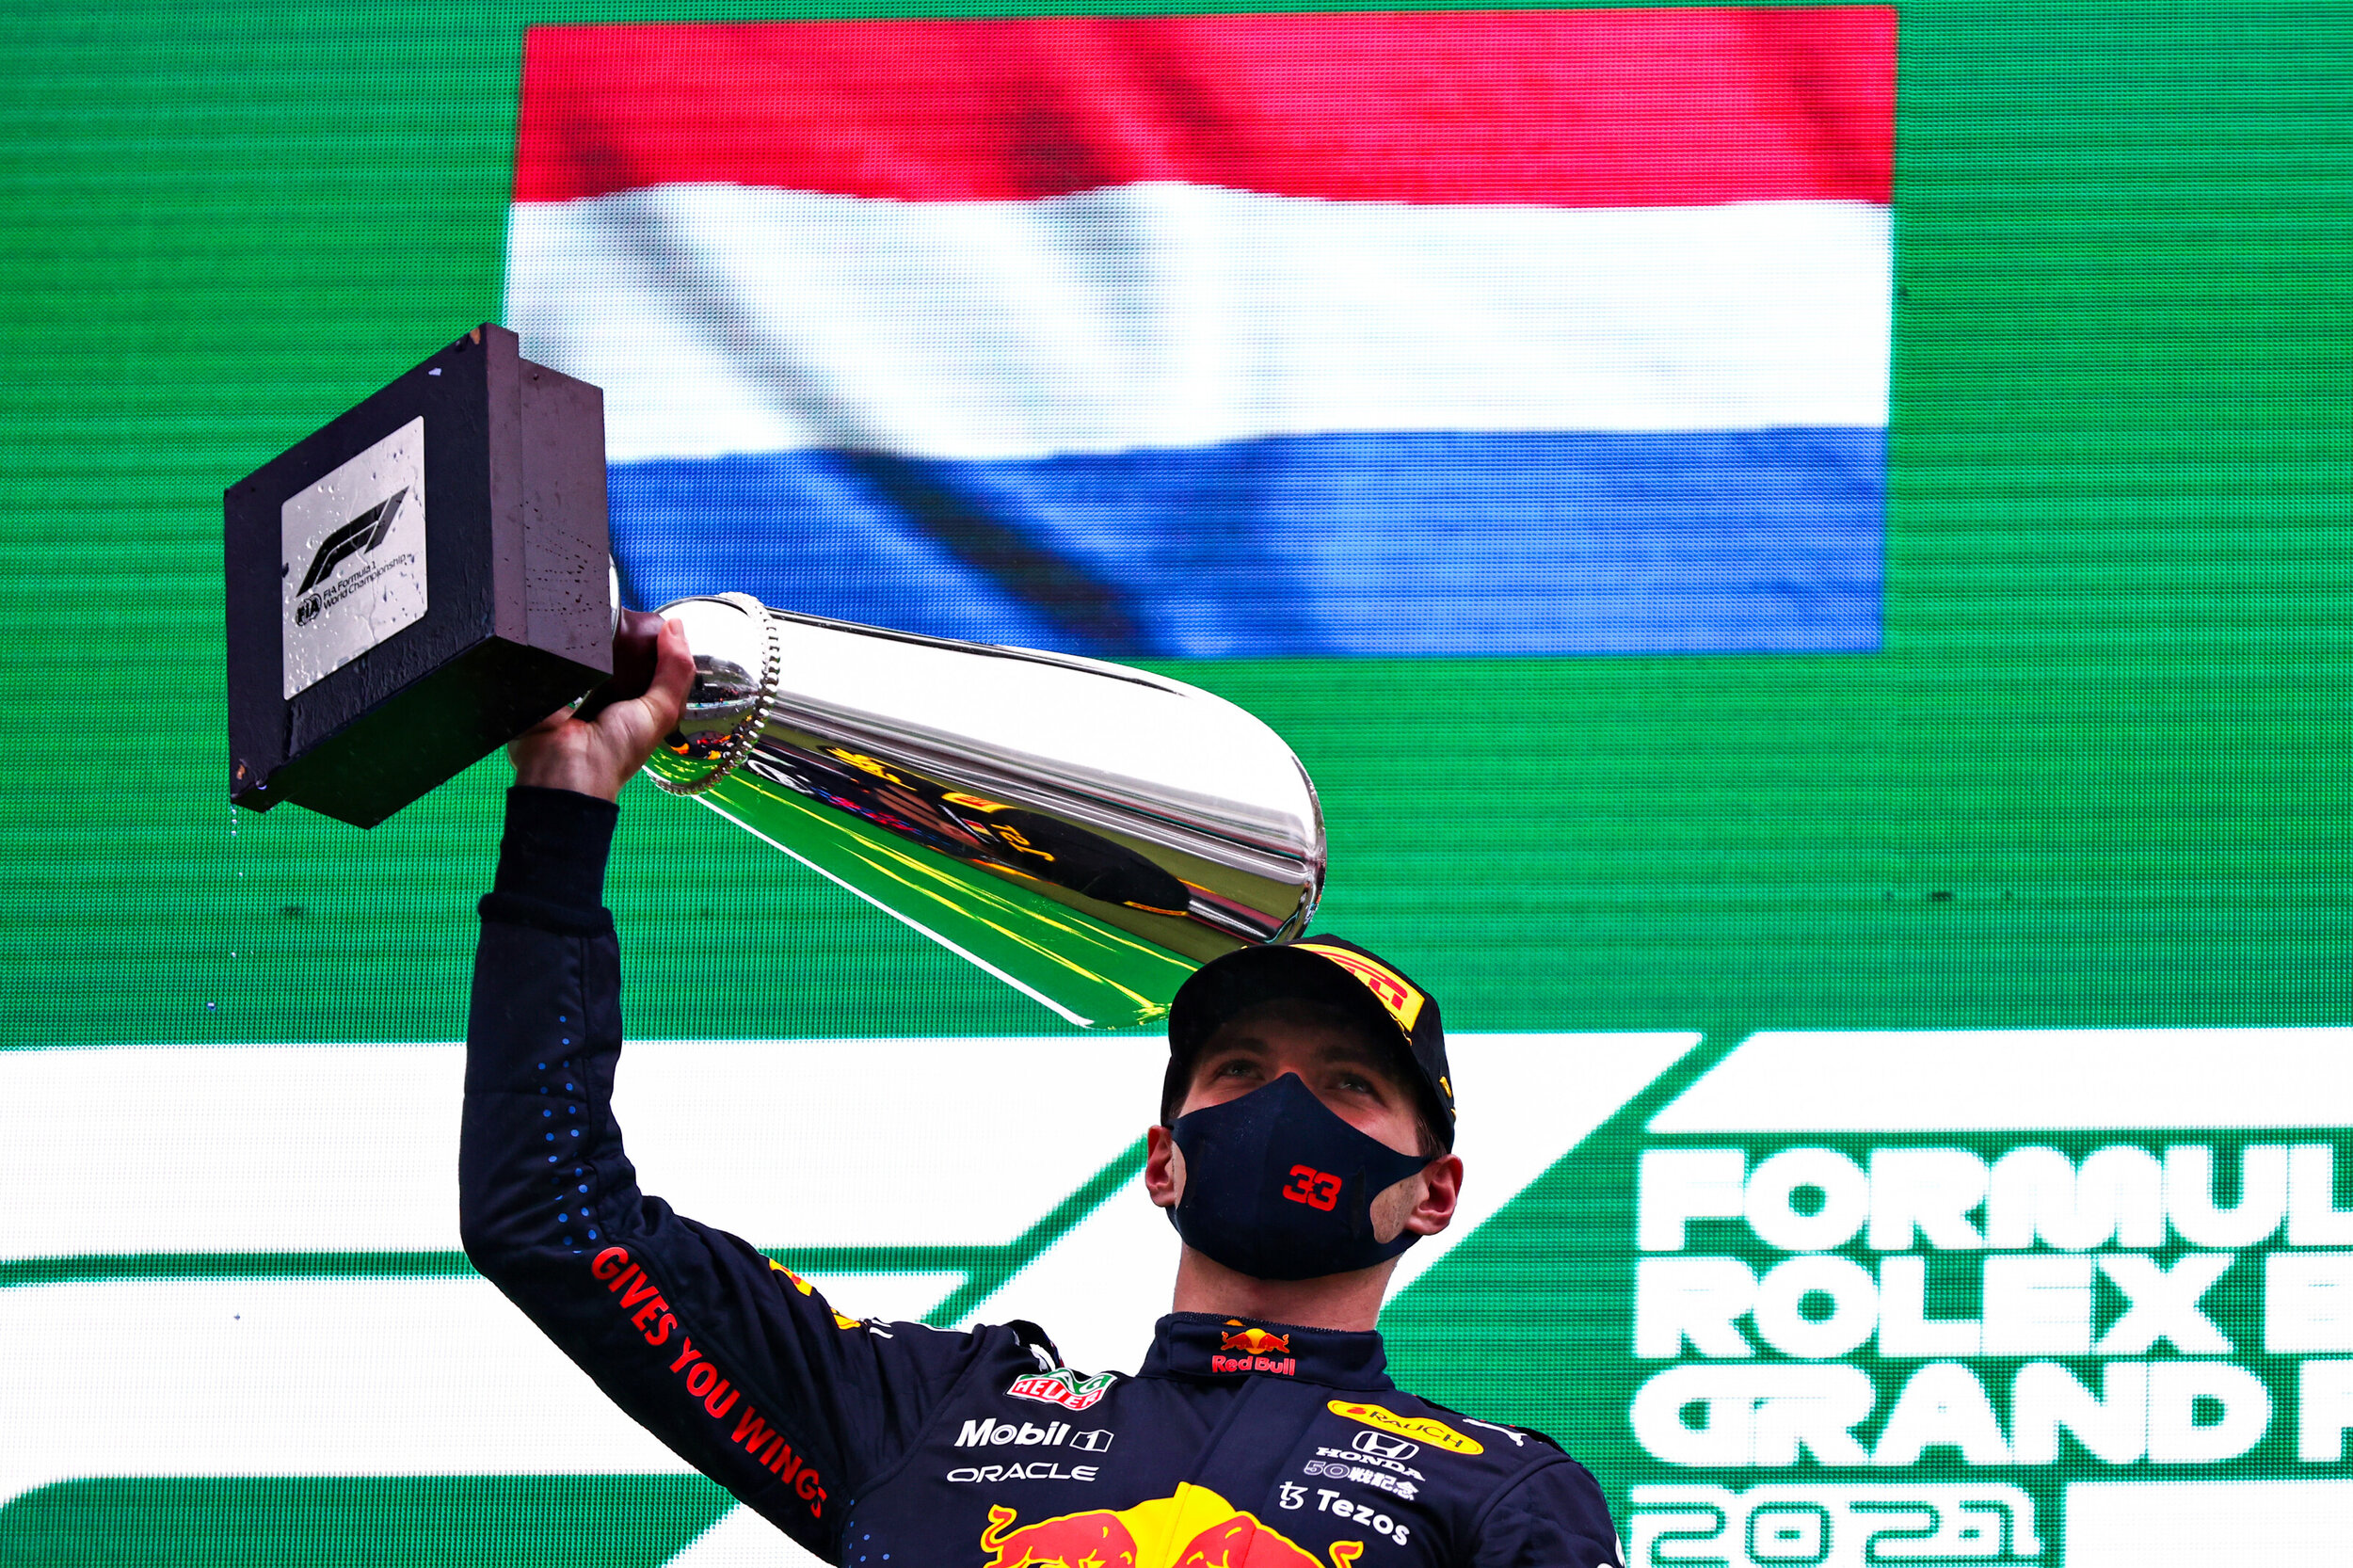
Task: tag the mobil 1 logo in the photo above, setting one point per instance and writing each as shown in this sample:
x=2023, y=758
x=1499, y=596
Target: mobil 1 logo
x=352, y=571
x=1982, y=1347
x=987, y=1432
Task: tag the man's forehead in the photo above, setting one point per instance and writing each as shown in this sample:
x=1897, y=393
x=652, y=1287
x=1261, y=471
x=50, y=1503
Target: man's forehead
x=1324, y=1042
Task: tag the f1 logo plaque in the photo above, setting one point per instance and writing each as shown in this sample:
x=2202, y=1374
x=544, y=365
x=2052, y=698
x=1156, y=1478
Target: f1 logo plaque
x=416, y=582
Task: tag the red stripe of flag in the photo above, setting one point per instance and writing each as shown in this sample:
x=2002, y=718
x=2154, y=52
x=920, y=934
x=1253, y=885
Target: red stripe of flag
x=1617, y=108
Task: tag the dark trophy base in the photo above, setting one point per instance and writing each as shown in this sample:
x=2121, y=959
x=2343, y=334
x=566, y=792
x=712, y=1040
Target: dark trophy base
x=416, y=584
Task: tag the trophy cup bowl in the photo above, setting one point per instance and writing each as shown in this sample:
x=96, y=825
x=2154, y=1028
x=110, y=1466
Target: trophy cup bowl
x=1087, y=832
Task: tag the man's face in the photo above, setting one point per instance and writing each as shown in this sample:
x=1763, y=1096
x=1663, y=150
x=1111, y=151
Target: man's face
x=1361, y=1084
x=1354, y=1078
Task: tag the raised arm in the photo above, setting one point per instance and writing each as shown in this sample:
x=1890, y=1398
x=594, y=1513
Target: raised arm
x=735, y=1364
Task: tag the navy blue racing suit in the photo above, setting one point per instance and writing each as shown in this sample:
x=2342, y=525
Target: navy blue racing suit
x=1238, y=1443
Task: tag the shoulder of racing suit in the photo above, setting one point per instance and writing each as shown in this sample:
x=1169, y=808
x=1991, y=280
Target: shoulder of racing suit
x=1518, y=1436
x=1518, y=1499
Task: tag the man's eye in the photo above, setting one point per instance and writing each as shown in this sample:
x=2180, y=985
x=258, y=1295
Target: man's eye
x=1236, y=1069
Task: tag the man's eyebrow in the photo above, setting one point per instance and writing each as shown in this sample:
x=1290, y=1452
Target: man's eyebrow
x=1352, y=1050
x=1349, y=1050
x=1363, y=1053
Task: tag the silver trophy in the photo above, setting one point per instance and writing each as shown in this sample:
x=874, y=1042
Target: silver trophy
x=426, y=576
x=1088, y=833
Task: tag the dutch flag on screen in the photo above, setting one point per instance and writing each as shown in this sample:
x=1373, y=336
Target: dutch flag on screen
x=1368, y=334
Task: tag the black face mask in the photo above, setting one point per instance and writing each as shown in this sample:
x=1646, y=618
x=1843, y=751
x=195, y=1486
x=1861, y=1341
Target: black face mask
x=1279, y=1187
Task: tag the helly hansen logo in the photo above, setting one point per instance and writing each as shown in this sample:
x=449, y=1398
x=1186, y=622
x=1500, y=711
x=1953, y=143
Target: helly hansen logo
x=988, y=1432
x=358, y=537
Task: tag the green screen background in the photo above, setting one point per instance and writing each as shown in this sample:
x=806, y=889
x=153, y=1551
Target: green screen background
x=2095, y=775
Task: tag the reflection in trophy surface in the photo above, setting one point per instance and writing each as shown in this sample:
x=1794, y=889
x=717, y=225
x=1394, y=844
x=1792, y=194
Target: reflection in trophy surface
x=1089, y=833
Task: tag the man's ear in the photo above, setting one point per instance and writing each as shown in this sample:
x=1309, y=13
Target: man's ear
x=1164, y=1167
x=1442, y=1190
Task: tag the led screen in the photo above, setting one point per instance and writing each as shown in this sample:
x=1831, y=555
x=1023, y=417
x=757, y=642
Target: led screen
x=1802, y=550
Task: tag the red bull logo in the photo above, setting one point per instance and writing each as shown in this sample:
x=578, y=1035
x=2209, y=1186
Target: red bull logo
x=1096, y=1539
x=1255, y=1341
x=1195, y=1528
x=1253, y=1350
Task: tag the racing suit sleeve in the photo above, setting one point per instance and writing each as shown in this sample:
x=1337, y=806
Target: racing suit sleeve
x=734, y=1363
x=1554, y=1516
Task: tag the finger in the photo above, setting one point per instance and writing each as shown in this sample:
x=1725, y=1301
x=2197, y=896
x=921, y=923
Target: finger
x=673, y=676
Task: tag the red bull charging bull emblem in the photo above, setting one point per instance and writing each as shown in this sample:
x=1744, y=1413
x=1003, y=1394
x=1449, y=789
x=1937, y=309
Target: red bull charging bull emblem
x=1195, y=1528
x=1253, y=1350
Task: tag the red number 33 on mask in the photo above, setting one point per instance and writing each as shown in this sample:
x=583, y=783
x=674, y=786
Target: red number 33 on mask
x=1314, y=1188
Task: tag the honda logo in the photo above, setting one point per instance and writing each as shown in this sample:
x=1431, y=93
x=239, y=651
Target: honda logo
x=1383, y=1444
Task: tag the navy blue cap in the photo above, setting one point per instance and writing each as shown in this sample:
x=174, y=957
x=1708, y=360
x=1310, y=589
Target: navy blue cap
x=1374, y=993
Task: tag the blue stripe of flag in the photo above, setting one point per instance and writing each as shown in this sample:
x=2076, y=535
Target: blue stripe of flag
x=1360, y=545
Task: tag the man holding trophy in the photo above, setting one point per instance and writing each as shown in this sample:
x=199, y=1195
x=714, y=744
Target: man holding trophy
x=1303, y=1144
x=424, y=577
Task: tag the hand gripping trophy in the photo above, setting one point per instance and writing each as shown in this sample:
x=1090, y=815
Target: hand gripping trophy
x=426, y=577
